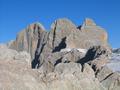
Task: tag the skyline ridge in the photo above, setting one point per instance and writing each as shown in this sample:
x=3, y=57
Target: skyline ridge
x=16, y=15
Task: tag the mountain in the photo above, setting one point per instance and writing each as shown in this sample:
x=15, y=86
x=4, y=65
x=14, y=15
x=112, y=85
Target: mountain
x=68, y=57
x=114, y=63
x=116, y=50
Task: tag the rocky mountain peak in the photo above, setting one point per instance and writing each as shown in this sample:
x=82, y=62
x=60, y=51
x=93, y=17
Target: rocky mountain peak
x=63, y=57
x=116, y=50
x=62, y=23
x=89, y=22
x=36, y=25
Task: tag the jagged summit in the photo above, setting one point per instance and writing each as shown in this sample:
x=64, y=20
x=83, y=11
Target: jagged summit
x=28, y=38
x=89, y=22
x=63, y=22
x=36, y=25
x=63, y=34
x=64, y=58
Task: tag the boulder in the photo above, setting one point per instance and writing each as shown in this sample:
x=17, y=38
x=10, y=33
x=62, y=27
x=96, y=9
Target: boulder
x=104, y=73
x=112, y=82
x=101, y=57
x=67, y=68
x=109, y=79
x=73, y=75
x=66, y=76
x=15, y=75
x=97, y=57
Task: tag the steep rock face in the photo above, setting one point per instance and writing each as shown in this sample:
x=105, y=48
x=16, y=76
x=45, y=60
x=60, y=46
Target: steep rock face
x=63, y=30
x=67, y=58
x=28, y=39
x=65, y=35
x=94, y=32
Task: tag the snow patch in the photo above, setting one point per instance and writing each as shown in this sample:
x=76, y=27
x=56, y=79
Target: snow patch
x=114, y=63
x=71, y=49
x=82, y=50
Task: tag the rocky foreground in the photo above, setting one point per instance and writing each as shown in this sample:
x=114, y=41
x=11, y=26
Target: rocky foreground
x=65, y=58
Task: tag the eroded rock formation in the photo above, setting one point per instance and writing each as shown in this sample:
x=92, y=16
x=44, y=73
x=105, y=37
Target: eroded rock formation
x=68, y=57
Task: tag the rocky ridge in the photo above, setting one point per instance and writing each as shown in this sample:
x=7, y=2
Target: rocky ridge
x=66, y=58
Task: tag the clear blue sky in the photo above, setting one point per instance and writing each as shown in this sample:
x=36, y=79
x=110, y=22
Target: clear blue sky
x=15, y=15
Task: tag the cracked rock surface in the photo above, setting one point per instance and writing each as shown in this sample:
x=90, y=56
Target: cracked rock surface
x=68, y=57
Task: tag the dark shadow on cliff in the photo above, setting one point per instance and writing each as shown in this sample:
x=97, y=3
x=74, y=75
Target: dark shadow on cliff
x=36, y=62
x=79, y=27
x=88, y=57
x=58, y=61
x=62, y=45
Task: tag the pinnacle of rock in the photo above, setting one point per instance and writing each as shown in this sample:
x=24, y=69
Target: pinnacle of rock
x=64, y=58
x=89, y=22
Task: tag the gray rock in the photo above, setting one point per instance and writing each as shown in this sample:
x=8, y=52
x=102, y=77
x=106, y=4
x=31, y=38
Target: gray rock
x=104, y=73
x=112, y=82
x=15, y=75
x=28, y=39
x=7, y=54
x=68, y=68
x=97, y=57
x=67, y=76
x=85, y=37
x=63, y=57
x=65, y=35
x=101, y=57
x=114, y=62
x=109, y=79
x=116, y=50
x=80, y=80
x=88, y=22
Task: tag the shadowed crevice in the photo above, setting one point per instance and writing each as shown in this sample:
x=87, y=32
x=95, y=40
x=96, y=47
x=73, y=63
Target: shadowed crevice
x=107, y=77
x=88, y=57
x=54, y=34
x=58, y=61
x=79, y=27
x=36, y=62
x=62, y=45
